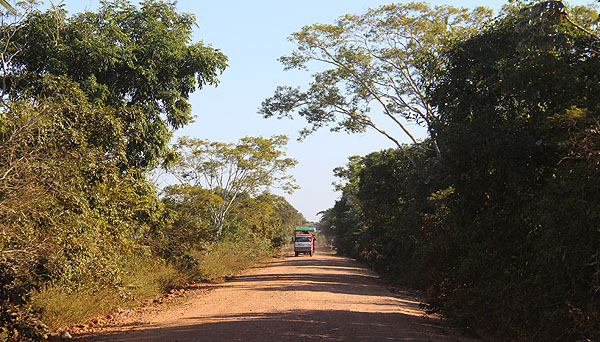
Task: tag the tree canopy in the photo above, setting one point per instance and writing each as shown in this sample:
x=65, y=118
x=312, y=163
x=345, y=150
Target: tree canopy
x=88, y=105
x=378, y=66
x=251, y=166
x=140, y=61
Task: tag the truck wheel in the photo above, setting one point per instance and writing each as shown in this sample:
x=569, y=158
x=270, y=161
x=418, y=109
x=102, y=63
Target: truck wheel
x=296, y=253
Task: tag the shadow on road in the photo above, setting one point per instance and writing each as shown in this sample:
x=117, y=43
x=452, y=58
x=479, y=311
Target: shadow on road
x=310, y=282
x=321, y=273
x=314, y=325
x=341, y=301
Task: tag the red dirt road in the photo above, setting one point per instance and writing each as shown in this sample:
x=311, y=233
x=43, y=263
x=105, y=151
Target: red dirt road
x=319, y=298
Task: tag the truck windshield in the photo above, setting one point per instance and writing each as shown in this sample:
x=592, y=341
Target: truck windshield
x=303, y=239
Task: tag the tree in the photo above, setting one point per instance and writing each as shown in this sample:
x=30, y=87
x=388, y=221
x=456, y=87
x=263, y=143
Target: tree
x=88, y=103
x=139, y=61
x=378, y=218
x=289, y=217
x=513, y=245
x=270, y=216
x=251, y=166
x=68, y=215
x=192, y=224
x=540, y=19
x=387, y=56
x=6, y=4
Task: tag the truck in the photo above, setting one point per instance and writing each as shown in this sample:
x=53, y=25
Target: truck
x=304, y=240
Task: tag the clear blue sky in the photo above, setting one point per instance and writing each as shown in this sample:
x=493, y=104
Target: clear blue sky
x=253, y=34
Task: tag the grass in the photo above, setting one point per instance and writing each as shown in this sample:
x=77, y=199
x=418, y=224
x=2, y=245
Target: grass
x=63, y=308
x=226, y=258
x=143, y=278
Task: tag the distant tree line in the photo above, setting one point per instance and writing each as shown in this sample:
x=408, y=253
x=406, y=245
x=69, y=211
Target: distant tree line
x=495, y=216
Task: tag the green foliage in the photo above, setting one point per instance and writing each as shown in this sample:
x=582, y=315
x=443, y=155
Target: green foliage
x=258, y=226
x=74, y=225
x=139, y=61
x=269, y=216
x=384, y=58
x=502, y=231
x=343, y=221
x=88, y=104
x=515, y=241
x=252, y=165
x=379, y=216
x=192, y=226
x=69, y=213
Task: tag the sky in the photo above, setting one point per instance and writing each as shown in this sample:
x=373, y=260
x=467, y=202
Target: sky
x=254, y=34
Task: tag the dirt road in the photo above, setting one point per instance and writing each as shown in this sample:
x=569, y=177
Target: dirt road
x=319, y=298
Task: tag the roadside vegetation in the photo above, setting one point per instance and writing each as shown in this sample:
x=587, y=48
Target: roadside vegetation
x=88, y=106
x=495, y=215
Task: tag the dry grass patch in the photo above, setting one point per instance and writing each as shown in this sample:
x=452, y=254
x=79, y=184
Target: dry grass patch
x=145, y=278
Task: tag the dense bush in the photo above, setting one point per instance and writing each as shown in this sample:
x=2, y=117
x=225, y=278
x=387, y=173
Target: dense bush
x=518, y=120
x=379, y=215
x=74, y=226
x=69, y=213
x=256, y=227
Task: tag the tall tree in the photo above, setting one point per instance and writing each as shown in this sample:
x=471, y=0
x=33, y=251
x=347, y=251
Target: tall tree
x=378, y=218
x=87, y=102
x=251, y=166
x=386, y=57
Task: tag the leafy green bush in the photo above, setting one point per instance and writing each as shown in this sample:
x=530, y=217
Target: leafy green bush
x=379, y=217
x=69, y=213
x=512, y=248
x=75, y=140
